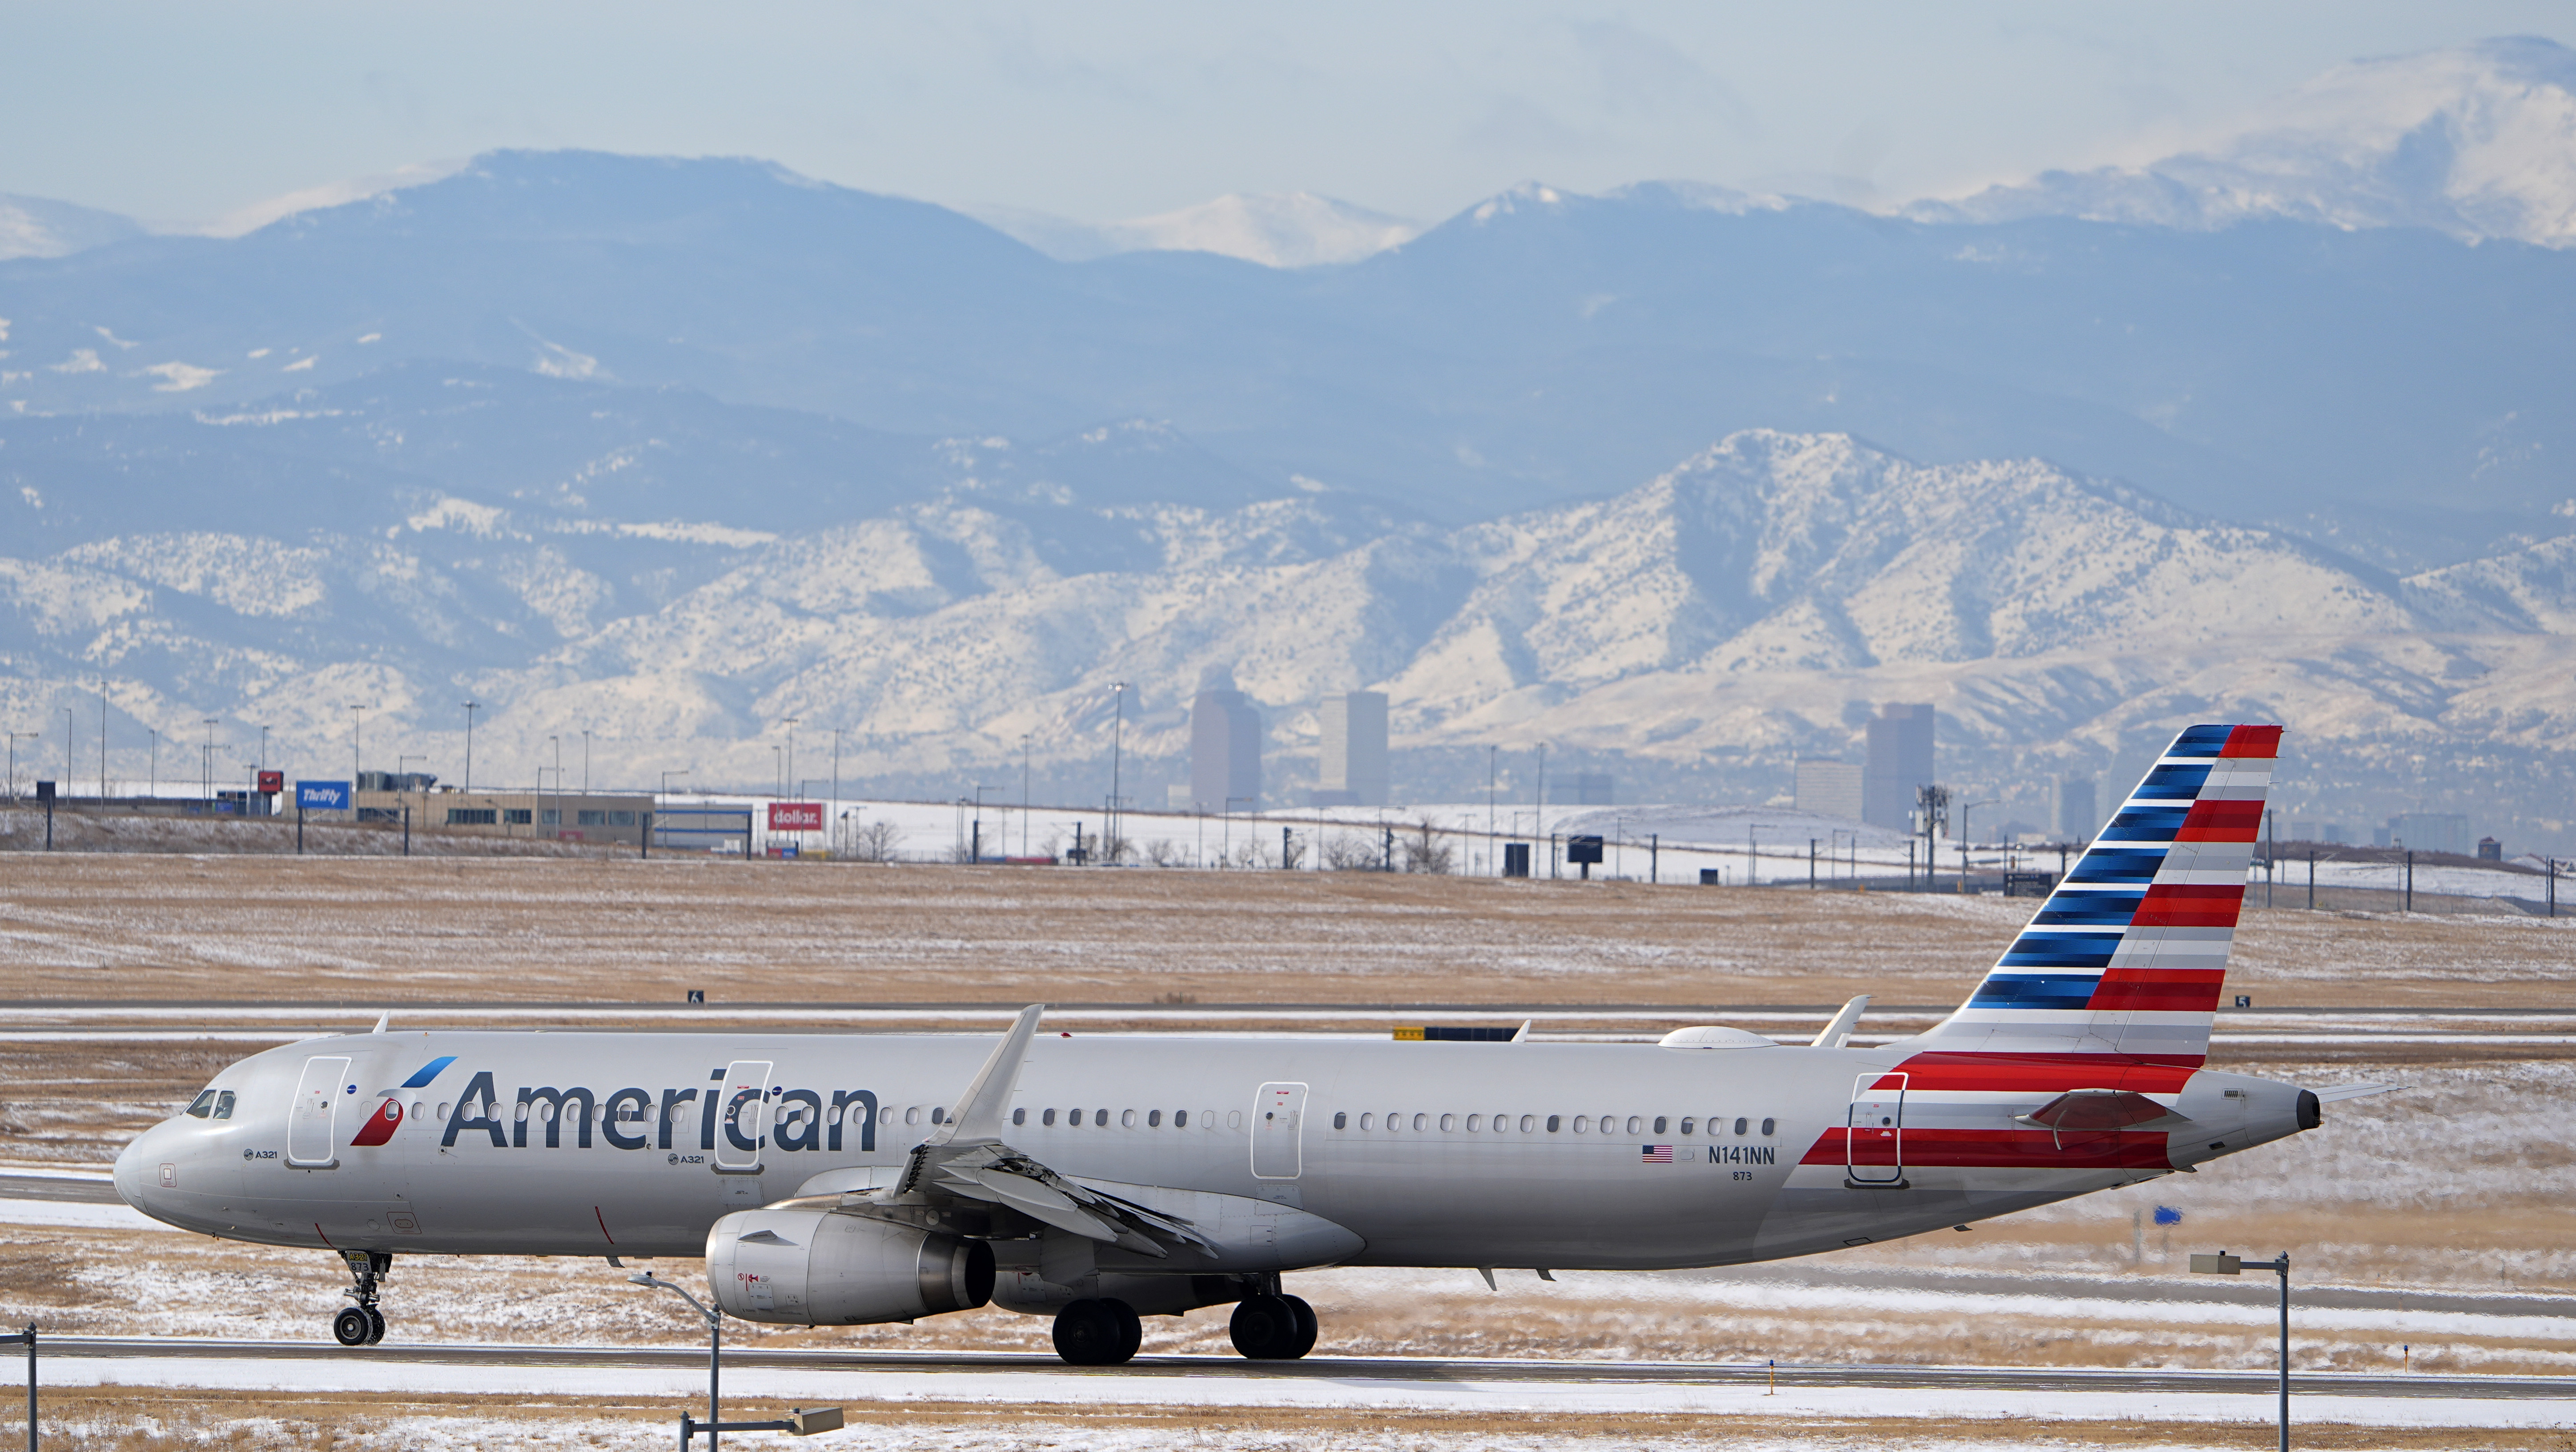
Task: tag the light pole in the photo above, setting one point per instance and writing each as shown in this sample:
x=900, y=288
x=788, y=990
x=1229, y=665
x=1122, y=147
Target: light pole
x=1024, y=792
x=470, y=708
x=102, y=743
x=67, y=756
x=791, y=751
x=836, y=767
x=2224, y=1264
x=209, y=724
x=263, y=748
x=715, y=1349
x=1492, y=755
x=354, y=710
x=975, y=852
x=1117, y=747
x=152, y=785
x=1964, y=809
x=557, y=742
x=585, y=761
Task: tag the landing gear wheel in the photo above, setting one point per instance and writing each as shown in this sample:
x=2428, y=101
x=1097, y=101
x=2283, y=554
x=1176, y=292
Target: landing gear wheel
x=1131, y=1331
x=1269, y=1328
x=1097, y=1333
x=1307, y=1325
x=352, y=1326
x=376, y=1326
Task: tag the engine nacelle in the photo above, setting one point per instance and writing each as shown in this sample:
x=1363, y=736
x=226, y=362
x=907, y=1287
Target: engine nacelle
x=819, y=1268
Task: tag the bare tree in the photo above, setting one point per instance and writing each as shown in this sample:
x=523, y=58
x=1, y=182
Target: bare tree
x=1292, y=850
x=1161, y=852
x=875, y=841
x=1348, y=852
x=1426, y=849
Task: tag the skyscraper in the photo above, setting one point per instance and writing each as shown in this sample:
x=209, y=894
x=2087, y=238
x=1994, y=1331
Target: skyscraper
x=2074, y=815
x=1225, y=748
x=1352, y=769
x=1899, y=761
x=1828, y=788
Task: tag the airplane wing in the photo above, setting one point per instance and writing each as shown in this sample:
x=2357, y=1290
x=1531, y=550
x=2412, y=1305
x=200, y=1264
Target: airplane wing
x=2353, y=1091
x=966, y=1158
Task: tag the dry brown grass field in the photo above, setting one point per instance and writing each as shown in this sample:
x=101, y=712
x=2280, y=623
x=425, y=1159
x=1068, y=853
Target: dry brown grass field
x=2459, y=1184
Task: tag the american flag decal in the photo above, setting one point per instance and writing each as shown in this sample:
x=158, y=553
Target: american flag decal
x=1658, y=1154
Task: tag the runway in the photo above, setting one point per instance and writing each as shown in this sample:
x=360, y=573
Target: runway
x=1337, y=1370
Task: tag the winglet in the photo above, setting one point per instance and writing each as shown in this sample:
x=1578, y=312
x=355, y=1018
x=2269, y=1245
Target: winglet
x=979, y=1113
x=1838, y=1032
x=1521, y=1035
x=384, y=1022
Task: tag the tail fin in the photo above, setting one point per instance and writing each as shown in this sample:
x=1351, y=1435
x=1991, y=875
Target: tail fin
x=2128, y=955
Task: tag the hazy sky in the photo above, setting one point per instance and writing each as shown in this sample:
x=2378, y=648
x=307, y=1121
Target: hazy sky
x=182, y=110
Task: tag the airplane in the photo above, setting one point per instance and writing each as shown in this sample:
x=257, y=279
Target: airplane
x=855, y=1179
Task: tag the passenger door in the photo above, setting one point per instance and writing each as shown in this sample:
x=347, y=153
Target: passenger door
x=312, y=1137
x=1278, y=1114
x=742, y=1125
x=1874, y=1130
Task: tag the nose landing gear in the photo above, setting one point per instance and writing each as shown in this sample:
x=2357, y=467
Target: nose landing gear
x=362, y=1324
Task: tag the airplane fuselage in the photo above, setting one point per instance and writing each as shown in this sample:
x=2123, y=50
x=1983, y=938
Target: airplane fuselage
x=1604, y=1156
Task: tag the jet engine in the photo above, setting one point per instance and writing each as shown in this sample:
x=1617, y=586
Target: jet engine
x=821, y=1268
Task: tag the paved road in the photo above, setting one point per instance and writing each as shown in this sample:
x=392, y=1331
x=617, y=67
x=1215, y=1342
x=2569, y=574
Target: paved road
x=1335, y=1368
x=83, y=1190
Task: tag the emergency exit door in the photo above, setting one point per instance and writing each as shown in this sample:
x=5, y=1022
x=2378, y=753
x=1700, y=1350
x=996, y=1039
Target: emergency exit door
x=1874, y=1130
x=311, y=1138
x=1278, y=1115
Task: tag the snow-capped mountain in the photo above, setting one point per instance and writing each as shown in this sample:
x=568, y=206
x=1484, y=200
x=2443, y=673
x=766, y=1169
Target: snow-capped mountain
x=2478, y=141
x=35, y=227
x=1746, y=607
x=1280, y=229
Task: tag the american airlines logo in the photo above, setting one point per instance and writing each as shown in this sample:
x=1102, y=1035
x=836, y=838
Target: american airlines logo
x=749, y=1118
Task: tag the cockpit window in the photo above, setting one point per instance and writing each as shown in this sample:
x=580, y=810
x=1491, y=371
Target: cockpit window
x=204, y=1106
x=224, y=1104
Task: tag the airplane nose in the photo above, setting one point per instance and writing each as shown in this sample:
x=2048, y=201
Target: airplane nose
x=138, y=1166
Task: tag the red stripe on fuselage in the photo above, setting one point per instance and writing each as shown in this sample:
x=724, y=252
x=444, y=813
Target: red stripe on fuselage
x=2169, y=990
x=2181, y=905
x=2032, y=1149
x=380, y=1126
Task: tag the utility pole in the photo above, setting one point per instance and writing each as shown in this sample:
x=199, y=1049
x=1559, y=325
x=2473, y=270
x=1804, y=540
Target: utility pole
x=1117, y=749
x=209, y=760
x=67, y=757
x=585, y=762
x=1538, y=818
x=470, y=708
x=153, y=782
x=1492, y=867
x=102, y=743
x=354, y=710
x=791, y=754
x=1024, y=792
x=836, y=767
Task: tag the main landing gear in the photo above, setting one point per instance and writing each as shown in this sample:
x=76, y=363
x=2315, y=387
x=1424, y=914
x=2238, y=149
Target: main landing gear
x=1098, y=1333
x=362, y=1324
x=1273, y=1327
x=1266, y=1327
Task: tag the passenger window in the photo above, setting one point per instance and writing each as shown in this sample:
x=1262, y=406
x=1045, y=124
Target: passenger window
x=1448, y=1122
x=1394, y=1123
x=1233, y=1119
x=1421, y=1122
x=1686, y=1128
x=1636, y=1126
x=884, y=1116
x=912, y=1114
x=1551, y=1123
x=1126, y=1119
x=1475, y=1122
x=1180, y=1119
x=1583, y=1124
x=1766, y=1125
x=1529, y=1123
x=1740, y=1126
x=1047, y=1119
x=1153, y=1119
x=1019, y=1116
x=1659, y=1124
x=203, y=1105
x=1100, y=1119
x=1341, y=1119
x=442, y=1109
x=939, y=1116
x=1368, y=1121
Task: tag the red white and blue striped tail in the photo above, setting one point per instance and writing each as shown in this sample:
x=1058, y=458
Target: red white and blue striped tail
x=2128, y=955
